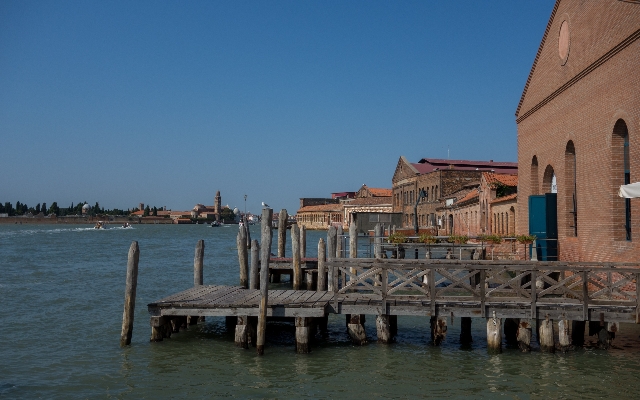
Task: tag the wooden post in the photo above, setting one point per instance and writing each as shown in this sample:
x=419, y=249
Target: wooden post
x=130, y=294
x=295, y=249
x=265, y=253
x=282, y=232
x=465, y=330
x=340, y=242
x=331, y=242
x=247, y=233
x=494, y=334
x=242, y=332
x=545, y=335
x=303, y=330
x=198, y=275
x=563, y=335
x=254, y=282
x=384, y=329
x=241, y=244
x=303, y=242
x=524, y=335
x=438, y=330
x=355, y=327
x=322, y=269
x=158, y=328
x=353, y=241
x=198, y=262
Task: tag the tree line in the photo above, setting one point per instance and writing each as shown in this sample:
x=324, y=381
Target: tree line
x=54, y=209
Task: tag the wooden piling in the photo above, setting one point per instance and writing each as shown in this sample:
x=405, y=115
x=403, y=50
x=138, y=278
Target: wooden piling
x=524, y=335
x=198, y=263
x=322, y=269
x=303, y=242
x=331, y=243
x=545, y=335
x=438, y=330
x=242, y=332
x=355, y=327
x=295, y=249
x=564, y=341
x=377, y=241
x=494, y=334
x=465, y=330
x=282, y=232
x=241, y=244
x=254, y=281
x=130, y=294
x=158, y=328
x=384, y=329
x=247, y=233
x=303, y=335
x=339, y=242
x=265, y=253
x=353, y=240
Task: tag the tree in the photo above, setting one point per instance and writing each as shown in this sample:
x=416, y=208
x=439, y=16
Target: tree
x=146, y=212
x=155, y=212
x=227, y=214
x=54, y=209
x=44, y=208
x=37, y=210
x=96, y=208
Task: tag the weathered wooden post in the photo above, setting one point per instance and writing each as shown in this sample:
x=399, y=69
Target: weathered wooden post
x=265, y=252
x=524, y=335
x=353, y=240
x=494, y=334
x=355, y=327
x=383, y=327
x=377, y=241
x=331, y=243
x=282, y=232
x=254, y=282
x=242, y=332
x=545, y=335
x=198, y=275
x=303, y=242
x=303, y=334
x=340, y=242
x=130, y=294
x=438, y=330
x=295, y=249
x=241, y=244
x=247, y=233
x=563, y=335
x=322, y=269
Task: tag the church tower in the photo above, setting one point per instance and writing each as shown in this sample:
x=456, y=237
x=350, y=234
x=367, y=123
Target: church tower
x=217, y=203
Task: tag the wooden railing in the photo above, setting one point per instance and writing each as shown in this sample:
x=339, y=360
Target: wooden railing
x=517, y=283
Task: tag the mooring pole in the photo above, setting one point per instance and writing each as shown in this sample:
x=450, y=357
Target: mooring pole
x=130, y=294
x=198, y=262
x=265, y=253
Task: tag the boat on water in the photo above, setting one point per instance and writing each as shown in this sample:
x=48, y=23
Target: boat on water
x=126, y=225
x=214, y=224
x=100, y=225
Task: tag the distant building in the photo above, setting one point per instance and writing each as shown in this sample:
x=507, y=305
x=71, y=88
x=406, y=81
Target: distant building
x=438, y=180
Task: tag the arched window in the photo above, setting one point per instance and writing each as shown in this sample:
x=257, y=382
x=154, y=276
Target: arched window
x=534, y=176
x=621, y=175
x=570, y=190
x=547, y=179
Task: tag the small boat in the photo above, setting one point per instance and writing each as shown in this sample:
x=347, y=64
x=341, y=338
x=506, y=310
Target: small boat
x=215, y=224
x=126, y=225
x=99, y=225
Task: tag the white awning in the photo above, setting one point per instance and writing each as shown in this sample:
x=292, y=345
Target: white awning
x=630, y=191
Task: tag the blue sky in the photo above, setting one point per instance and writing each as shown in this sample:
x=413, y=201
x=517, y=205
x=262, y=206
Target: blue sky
x=167, y=102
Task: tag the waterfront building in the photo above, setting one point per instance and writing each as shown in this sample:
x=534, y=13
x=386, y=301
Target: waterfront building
x=438, y=180
x=579, y=128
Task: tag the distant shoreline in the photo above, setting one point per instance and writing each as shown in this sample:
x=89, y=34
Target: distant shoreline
x=81, y=219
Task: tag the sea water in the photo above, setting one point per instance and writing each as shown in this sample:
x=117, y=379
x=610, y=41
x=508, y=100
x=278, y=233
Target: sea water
x=62, y=291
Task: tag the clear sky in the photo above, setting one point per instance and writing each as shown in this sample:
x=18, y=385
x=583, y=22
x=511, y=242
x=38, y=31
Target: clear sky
x=166, y=102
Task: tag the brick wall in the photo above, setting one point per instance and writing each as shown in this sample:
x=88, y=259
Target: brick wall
x=575, y=108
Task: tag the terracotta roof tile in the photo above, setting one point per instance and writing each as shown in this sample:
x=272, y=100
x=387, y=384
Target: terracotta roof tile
x=378, y=192
x=365, y=201
x=505, y=198
x=505, y=179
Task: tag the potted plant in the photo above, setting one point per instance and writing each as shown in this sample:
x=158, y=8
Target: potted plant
x=398, y=238
x=526, y=240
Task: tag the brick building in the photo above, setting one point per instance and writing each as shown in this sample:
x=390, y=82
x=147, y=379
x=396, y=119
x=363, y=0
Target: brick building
x=579, y=126
x=439, y=179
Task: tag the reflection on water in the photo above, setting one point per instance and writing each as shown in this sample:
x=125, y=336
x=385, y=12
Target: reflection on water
x=63, y=291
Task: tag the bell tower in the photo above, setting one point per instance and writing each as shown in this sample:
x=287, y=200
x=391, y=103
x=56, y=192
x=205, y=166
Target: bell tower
x=217, y=203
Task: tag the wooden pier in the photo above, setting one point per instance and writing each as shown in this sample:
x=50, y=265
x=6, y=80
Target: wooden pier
x=510, y=294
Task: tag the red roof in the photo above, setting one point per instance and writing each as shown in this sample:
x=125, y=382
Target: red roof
x=367, y=201
x=378, y=192
x=470, y=196
x=322, y=207
x=511, y=196
x=505, y=179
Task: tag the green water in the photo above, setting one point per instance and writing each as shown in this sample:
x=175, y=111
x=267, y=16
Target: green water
x=62, y=289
